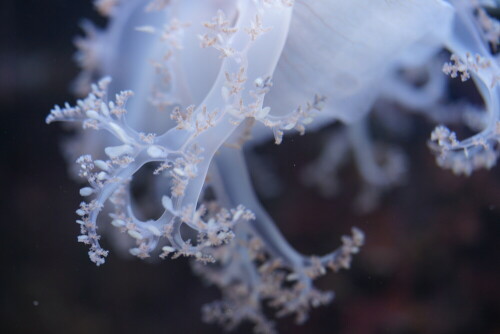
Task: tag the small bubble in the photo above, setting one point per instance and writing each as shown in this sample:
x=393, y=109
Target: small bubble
x=35, y=303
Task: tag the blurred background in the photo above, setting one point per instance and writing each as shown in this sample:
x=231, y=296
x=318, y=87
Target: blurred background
x=430, y=264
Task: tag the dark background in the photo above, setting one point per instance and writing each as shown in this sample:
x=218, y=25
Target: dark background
x=430, y=265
